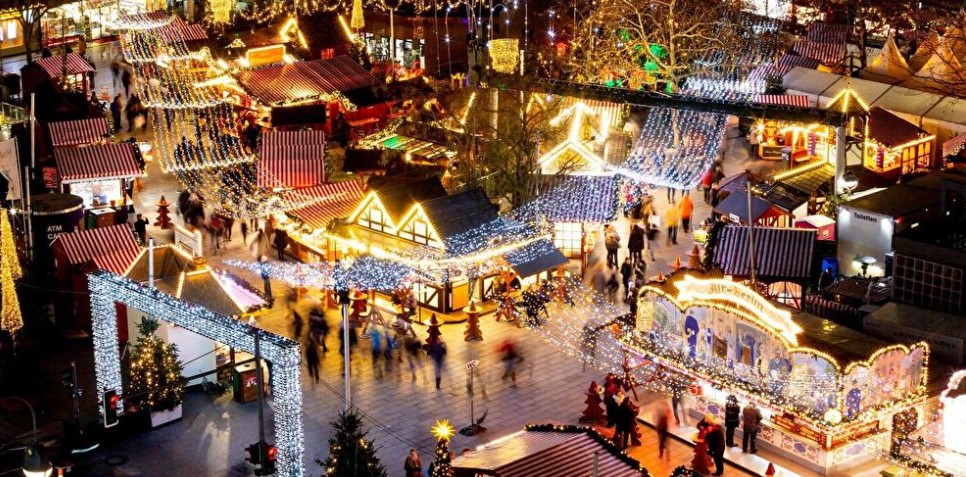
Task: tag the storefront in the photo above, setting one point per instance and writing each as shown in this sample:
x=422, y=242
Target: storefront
x=895, y=147
x=799, y=142
x=91, y=20
x=824, y=390
x=11, y=34
x=101, y=175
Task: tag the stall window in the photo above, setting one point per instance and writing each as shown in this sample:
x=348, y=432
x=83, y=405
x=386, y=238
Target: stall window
x=374, y=219
x=924, y=155
x=567, y=236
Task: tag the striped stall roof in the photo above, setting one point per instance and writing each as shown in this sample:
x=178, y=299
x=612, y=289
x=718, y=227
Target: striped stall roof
x=305, y=80
x=780, y=253
x=820, y=32
x=54, y=65
x=954, y=145
x=326, y=202
x=108, y=161
x=291, y=159
x=171, y=28
x=78, y=132
x=534, y=453
x=796, y=100
x=111, y=248
x=784, y=64
x=827, y=53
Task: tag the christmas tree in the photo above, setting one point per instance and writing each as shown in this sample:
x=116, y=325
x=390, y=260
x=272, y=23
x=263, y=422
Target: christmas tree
x=441, y=467
x=10, y=319
x=349, y=451
x=473, y=331
x=163, y=220
x=357, y=21
x=154, y=369
x=434, y=333
x=594, y=413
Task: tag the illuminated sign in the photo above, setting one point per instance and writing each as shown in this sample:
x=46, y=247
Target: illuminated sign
x=265, y=55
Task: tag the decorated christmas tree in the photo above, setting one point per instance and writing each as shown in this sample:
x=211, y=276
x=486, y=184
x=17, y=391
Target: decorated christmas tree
x=349, y=451
x=357, y=21
x=164, y=221
x=155, y=370
x=434, y=333
x=10, y=318
x=442, y=467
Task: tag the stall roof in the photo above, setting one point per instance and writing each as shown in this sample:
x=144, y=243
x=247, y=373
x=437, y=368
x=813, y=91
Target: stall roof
x=892, y=131
x=304, y=80
x=821, y=32
x=430, y=151
x=455, y=214
x=921, y=319
x=320, y=204
x=78, y=132
x=842, y=343
x=810, y=178
x=897, y=201
x=737, y=204
x=54, y=65
x=535, y=257
x=111, y=248
x=108, y=161
x=291, y=159
x=828, y=53
x=399, y=194
x=781, y=253
x=176, y=30
x=542, y=453
x=590, y=199
x=785, y=197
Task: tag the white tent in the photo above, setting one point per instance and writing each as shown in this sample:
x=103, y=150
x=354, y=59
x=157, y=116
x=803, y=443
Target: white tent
x=925, y=50
x=890, y=62
x=941, y=70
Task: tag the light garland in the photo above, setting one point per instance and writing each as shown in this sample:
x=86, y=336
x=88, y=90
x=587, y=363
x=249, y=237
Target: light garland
x=285, y=354
x=10, y=317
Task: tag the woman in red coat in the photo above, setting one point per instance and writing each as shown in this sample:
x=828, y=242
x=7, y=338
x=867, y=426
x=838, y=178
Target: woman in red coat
x=701, y=463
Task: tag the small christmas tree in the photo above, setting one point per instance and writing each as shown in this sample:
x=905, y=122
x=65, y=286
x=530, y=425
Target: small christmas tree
x=10, y=318
x=357, y=21
x=434, y=333
x=163, y=220
x=594, y=413
x=473, y=331
x=442, y=465
x=349, y=451
x=154, y=369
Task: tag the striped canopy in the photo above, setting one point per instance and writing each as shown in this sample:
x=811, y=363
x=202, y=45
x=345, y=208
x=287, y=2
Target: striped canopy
x=108, y=161
x=111, y=248
x=326, y=202
x=828, y=53
x=305, y=80
x=796, y=100
x=291, y=159
x=54, y=65
x=81, y=131
x=781, y=253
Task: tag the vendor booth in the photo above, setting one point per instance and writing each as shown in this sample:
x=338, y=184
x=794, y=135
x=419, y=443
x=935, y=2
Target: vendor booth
x=101, y=175
x=80, y=132
x=895, y=147
x=317, y=207
x=291, y=159
x=792, y=142
x=762, y=212
x=72, y=67
x=825, y=391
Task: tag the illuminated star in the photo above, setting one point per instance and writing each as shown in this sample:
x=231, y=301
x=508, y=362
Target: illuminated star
x=442, y=430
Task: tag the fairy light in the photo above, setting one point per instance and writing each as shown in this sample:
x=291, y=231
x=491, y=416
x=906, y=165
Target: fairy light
x=285, y=354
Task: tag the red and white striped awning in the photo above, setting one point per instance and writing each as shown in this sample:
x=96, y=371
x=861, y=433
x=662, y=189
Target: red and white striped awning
x=78, y=132
x=325, y=202
x=171, y=28
x=827, y=53
x=954, y=145
x=796, y=100
x=108, y=161
x=54, y=65
x=304, y=80
x=291, y=159
x=111, y=248
x=821, y=32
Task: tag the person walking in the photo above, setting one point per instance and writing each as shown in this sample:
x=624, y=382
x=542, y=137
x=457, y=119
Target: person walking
x=437, y=352
x=281, y=241
x=411, y=344
x=413, y=465
x=687, y=209
x=625, y=420
x=244, y=230
x=511, y=357
x=716, y=445
x=750, y=426
x=318, y=327
x=706, y=180
x=662, y=422
x=635, y=243
x=296, y=322
x=626, y=271
x=673, y=218
x=732, y=419
x=116, y=108
x=312, y=358
x=375, y=337
x=612, y=242
x=141, y=228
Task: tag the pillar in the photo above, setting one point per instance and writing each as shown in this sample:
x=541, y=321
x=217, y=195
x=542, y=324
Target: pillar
x=840, y=161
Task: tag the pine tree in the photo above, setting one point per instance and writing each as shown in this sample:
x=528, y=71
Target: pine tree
x=10, y=318
x=155, y=369
x=164, y=221
x=442, y=464
x=434, y=333
x=350, y=454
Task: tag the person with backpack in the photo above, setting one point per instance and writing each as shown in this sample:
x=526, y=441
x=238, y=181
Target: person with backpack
x=612, y=242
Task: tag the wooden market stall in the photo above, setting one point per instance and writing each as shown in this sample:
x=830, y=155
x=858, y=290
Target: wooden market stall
x=825, y=391
x=70, y=72
x=103, y=176
x=762, y=213
x=291, y=159
x=895, y=147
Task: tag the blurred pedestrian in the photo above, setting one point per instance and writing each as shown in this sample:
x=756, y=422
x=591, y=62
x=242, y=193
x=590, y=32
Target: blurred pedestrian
x=732, y=419
x=312, y=358
x=716, y=445
x=612, y=287
x=687, y=209
x=141, y=229
x=411, y=344
x=116, y=108
x=662, y=421
x=413, y=465
x=296, y=322
x=318, y=327
x=612, y=242
x=281, y=242
x=437, y=352
x=375, y=338
x=626, y=271
x=511, y=358
x=750, y=426
x=244, y=230
x=673, y=218
x=635, y=243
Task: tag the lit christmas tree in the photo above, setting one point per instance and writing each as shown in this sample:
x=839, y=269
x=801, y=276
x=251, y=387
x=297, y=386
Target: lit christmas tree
x=155, y=370
x=441, y=467
x=10, y=319
x=349, y=451
x=357, y=21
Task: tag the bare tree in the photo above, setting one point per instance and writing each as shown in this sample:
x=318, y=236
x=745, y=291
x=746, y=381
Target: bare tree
x=29, y=13
x=661, y=37
x=939, y=54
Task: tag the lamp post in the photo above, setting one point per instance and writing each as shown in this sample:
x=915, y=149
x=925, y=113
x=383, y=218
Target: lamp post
x=34, y=463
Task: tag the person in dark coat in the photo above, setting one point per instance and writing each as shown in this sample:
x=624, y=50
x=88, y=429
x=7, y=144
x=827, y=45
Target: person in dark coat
x=635, y=243
x=116, y=112
x=141, y=228
x=281, y=241
x=610, y=405
x=437, y=351
x=625, y=420
x=750, y=425
x=732, y=419
x=626, y=271
x=716, y=445
x=312, y=359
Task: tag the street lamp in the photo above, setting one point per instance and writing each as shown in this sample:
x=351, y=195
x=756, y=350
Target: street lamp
x=34, y=463
x=849, y=181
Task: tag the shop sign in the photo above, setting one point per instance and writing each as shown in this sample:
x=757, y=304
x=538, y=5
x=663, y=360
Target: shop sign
x=855, y=433
x=50, y=177
x=221, y=10
x=266, y=55
x=789, y=422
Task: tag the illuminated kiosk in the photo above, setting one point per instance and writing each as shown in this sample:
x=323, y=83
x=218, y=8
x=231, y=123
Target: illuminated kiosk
x=823, y=391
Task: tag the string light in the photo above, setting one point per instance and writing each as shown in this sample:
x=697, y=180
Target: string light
x=107, y=289
x=10, y=317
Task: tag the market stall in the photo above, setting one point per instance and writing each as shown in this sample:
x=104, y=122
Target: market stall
x=101, y=175
x=895, y=147
x=73, y=68
x=78, y=132
x=824, y=390
x=760, y=211
x=792, y=141
x=291, y=159
x=316, y=208
x=801, y=191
